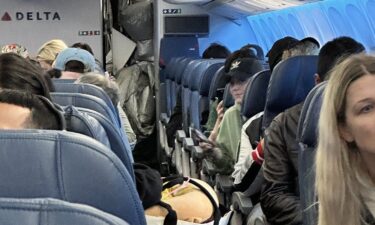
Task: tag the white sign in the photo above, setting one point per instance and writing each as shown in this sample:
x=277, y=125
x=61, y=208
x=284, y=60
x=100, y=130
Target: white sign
x=33, y=22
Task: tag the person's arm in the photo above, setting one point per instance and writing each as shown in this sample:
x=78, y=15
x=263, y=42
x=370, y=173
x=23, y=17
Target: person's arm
x=279, y=201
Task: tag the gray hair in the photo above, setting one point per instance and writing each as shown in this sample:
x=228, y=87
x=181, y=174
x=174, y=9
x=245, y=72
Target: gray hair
x=110, y=87
x=304, y=48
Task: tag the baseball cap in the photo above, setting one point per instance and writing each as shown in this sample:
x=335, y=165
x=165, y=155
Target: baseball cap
x=275, y=53
x=243, y=68
x=70, y=54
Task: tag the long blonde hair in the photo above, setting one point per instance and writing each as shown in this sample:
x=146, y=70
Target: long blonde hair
x=50, y=49
x=340, y=172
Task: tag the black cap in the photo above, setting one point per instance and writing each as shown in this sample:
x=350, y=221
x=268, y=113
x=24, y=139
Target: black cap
x=243, y=69
x=275, y=53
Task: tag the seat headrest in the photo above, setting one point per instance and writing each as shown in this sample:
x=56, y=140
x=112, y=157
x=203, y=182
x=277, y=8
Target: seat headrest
x=228, y=99
x=254, y=99
x=180, y=68
x=309, y=119
x=57, y=212
x=67, y=166
x=218, y=82
x=189, y=71
x=291, y=81
x=201, y=80
x=85, y=101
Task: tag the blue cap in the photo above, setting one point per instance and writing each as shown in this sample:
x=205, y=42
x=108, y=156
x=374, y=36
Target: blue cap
x=70, y=54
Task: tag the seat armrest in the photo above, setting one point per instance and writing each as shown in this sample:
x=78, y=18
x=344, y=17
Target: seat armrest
x=180, y=135
x=224, y=183
x=188, y=143
x=209, y=168
x=196, y=152
x=242, y=203
x=164, y=118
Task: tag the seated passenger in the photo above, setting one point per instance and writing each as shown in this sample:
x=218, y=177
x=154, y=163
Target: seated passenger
x=17, y=49
x=251, y=151
x=48, y=51
x=225, y=136
x=244, y=52
x=19, y=73
x=23, y=110
x=73, y=62
x=111, y=88
x=345, y=169
x=280, y=195
x=85, y=46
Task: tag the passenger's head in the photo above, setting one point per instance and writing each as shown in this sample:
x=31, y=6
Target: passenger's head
x=277, y=50
x=83, y=46
x=215, y=51
x=47, y=53
x=15, y=48
x=334, y=50
x=239, y=74
x=23, y=110
x=346, y=147
x=110, y=87
x=243, y=52
x=306, y=46
x=75, y=60
x=20, y=74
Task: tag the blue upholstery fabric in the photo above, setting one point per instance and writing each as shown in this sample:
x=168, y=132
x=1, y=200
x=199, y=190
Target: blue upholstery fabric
x=199, y=87
x=218, y=81
x=89, y=89
x=119, y=144
x=66, y=81
x=307, y=138
x=83, y=123
x=67, y=166
x=228, y=99
x=254, y=99
x=86, y=101
x=189, y=71
x=290, y=82
x=47, y=211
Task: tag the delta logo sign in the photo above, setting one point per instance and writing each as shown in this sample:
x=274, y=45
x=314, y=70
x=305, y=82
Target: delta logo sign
x=31, y=16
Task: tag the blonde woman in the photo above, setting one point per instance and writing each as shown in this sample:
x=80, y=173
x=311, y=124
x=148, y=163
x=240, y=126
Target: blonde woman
x=48, y=52
x=345, y=168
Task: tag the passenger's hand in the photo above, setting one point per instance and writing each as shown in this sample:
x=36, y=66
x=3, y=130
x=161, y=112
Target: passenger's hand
x=220, y=110
x=206, y=146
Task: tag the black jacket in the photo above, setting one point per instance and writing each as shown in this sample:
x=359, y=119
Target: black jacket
x=280, y=195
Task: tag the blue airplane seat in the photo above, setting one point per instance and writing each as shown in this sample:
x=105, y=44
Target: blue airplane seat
x=291, y=81
x=86, y=101
x=170, y=82
x=190, y=71
x=46, y=211
x=118, y=143
x=307, y=137
x=70, y=167
x=64, y=81
x=217, y=84
x=88, y=89
x=228, y=99
x=80, y=122
x=254, y=99
x=177, y=83
x=200, y=87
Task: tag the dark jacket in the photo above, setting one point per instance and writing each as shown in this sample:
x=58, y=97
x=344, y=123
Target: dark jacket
x=280, y=195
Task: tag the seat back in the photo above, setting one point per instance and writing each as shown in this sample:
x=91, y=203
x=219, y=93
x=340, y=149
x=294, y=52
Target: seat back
x=228, y=99
x=88, y=89
x=46, y=211
x=218, y=82
x=119, y=143
x=200, y=87
x=67, y=166
x=307, y=137
x=290, y=82
x=189, y=71
x=86, y=101
x=59, y=81
x=255, y=95
x=83, y=123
